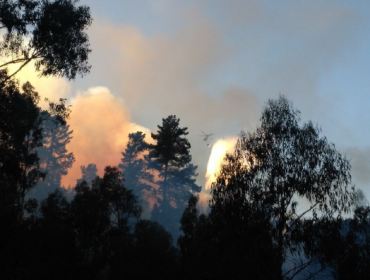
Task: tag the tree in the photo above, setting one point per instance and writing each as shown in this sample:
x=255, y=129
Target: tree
x=89, y=173
x=134, y=165
x=352, y=260
x=192, y=245
x=21, y=126
x=54, y=157
x=153, y=253
x=52, y=242
x=104, y=215
x=91, y=221
x=170, y=156
x=270, y=172
x=226, y=246
x=51, y=33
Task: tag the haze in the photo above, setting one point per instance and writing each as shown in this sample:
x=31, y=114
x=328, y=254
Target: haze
x=213, y=64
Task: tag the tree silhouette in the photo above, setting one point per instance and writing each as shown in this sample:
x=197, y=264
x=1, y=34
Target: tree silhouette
x=134, y=165
x=91, y=222
x=227, y=247
x=53, y=241
x=104, y=216
x=51, y=33
x=170, y=156
x=21, y=127
x=154, y=252
x=272, y=170
x=54, y=157
x=89, y=173
x=352, y=258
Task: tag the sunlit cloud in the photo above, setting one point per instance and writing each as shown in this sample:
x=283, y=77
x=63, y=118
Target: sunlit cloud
x=52, y=88
x=101, y=123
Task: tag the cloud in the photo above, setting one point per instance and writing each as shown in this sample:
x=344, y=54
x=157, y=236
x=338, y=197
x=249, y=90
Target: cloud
x=157, y=73
x=101, y=123
x=52, y=88
x=213, y=69
x=360, y=162
x=219, y=63
x=164, y=74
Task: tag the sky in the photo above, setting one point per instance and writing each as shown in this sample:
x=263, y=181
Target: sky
x=214, y=64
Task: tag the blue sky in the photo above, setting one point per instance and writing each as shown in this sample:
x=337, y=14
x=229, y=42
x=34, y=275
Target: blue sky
x=215, y=63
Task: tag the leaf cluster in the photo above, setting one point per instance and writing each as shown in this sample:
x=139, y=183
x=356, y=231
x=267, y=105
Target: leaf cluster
x=50, y=32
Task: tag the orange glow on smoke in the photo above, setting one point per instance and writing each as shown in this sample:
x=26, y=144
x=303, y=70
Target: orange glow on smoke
x=219, y=150
x=101, y=124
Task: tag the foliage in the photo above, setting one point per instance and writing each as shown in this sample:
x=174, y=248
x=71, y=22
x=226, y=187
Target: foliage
x=151, y=253
x=55, y=160
x=170, y=156
x=106, y=209
x=254, y=206
x=49, y=32
x=21, y=128
x=353, y=258
x=89, y=173
x=227, y=247
x=134, y=165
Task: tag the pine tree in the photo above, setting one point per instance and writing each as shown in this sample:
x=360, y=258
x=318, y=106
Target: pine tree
x=54, y=156
x=170, y=156
x=89, y=173
x=134, y=165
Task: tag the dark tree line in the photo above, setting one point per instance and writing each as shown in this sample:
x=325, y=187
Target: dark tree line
x=97, y=235
x=255, y=229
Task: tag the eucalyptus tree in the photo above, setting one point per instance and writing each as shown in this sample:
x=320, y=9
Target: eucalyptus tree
x=52, y=33
x=290, y=175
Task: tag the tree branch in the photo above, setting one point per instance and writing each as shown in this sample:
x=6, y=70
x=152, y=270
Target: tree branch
x=13, y=62
x=300, y=216
x=317, y=272
x=19, y=69
x=301, y=267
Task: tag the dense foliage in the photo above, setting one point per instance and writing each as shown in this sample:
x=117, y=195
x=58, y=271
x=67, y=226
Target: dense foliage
x=134, y=165
x=50, y=32
x=21, y=134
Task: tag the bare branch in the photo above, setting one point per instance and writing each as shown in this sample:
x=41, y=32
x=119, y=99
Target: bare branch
x=13, y=62
x=20, y=68
x=300, y=268
x=305, y=212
